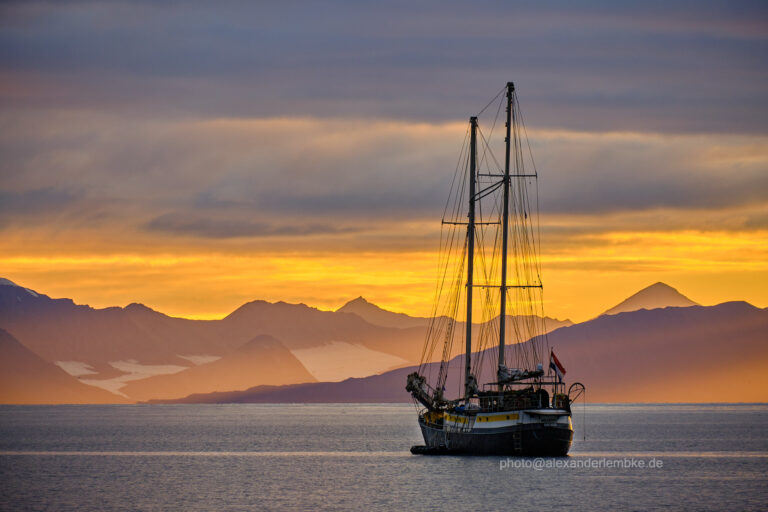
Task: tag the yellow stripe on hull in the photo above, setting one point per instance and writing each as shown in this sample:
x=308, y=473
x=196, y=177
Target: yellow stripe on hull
x=499, y=420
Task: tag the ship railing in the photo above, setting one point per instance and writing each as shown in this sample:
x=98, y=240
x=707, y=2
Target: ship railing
x=500, y=403
x=524, y=383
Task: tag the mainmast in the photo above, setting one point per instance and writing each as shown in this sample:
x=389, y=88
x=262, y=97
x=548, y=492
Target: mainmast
x=505, y=228
x=470, y=253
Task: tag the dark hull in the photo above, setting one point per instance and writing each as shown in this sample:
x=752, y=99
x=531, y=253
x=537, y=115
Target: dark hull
x=530, y=439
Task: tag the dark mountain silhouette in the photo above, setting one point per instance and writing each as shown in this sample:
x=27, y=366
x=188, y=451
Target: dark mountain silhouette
x=25, y=378
x=375, y=315
x=60, y=330
x=388, y=387
x=694, y=354
x=690, y=354
x=261, y=360
x=658, y=295
x=657, y=353
x=300, y=326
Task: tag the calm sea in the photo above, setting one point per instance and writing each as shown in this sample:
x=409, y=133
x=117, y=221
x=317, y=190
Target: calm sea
x=305, y=457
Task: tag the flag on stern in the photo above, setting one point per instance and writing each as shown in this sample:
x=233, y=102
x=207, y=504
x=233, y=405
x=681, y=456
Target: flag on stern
x=554, y=364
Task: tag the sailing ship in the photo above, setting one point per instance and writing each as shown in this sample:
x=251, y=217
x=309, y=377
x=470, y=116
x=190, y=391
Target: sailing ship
x=489, y=268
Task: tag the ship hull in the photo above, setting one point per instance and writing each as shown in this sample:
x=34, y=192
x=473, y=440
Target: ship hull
x=529, y=439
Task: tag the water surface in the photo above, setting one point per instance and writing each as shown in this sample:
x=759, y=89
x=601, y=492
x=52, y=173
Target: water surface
x=244, y=457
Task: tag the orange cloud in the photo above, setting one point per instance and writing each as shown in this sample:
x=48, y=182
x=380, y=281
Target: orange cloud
x=195, y=217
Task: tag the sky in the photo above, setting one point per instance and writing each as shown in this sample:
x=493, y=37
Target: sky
x=194, y=156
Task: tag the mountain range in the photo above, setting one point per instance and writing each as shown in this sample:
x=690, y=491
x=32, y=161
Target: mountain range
x=669, y=354
x=138, y=353
x=115, y=346
x=291, y=352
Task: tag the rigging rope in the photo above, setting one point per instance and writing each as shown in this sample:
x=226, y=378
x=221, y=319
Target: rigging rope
x=526, y=326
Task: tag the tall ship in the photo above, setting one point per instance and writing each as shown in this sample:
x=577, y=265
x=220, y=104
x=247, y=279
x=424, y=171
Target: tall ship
x=488, y=322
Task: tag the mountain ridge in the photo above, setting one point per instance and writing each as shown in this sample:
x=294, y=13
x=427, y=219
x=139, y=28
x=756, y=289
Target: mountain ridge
x=655, y=296
x=109, y=340
x=377, y=315
x=611, y=372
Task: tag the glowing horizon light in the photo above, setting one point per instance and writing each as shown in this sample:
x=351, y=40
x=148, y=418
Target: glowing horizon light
x=579, y=283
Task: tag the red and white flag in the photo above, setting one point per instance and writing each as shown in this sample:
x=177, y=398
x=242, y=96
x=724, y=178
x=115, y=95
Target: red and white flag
x=555, y=365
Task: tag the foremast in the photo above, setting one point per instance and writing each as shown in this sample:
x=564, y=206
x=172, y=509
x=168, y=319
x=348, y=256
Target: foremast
x=470, y=385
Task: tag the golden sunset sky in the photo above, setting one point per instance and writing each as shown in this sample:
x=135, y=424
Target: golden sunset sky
x=194, y=157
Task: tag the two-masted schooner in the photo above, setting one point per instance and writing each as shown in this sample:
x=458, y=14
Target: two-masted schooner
x=489, y=268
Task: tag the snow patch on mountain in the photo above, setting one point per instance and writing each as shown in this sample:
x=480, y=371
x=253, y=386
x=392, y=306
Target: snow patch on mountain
x=133, y=371
x=200, y=359
x=337, y=361
x=76, y=368
x=8, y=282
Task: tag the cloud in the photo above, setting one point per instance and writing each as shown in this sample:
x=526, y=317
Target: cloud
x=179, y=224
x=33, y=201
x=381, y=180
x=269, y=145
x=36, y=205
x=593, y=173
x=599, y=66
